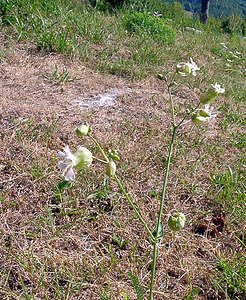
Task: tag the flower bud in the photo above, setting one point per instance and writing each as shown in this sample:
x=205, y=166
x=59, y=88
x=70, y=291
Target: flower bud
x=113, y=154
x=110, y=168
x=82, y=130
x=176, y=221
x=83, y=158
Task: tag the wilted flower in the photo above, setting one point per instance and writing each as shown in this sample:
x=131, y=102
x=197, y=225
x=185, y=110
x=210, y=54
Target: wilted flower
x=82, y=130
x=211, y=93
x=202, y=115
x=80, y=160
x=110, y=168
x=176, y=221
x=188, y=68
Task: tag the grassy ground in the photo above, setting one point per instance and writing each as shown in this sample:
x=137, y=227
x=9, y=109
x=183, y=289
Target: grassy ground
x=84, y=242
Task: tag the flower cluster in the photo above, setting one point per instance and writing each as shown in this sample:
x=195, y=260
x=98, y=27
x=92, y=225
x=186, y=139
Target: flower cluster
x=82, y=158
x=201, y=115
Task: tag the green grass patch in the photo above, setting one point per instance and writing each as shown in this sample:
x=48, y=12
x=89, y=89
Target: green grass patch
x=232, y=274
x=230, y=193
x=145, y=24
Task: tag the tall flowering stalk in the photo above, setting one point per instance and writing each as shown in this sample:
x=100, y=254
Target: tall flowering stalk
x=82, y=159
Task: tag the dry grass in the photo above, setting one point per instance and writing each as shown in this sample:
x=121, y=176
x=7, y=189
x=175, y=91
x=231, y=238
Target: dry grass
x=61, y=246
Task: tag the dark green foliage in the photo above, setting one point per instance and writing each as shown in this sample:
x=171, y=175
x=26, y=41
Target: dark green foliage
x=5, y=6
x=143, y=23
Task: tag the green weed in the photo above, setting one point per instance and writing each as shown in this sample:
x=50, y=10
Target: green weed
x=58, y=77
x=137, y=287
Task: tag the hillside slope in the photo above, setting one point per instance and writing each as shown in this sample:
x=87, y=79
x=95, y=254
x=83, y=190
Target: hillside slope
x=130, y=76
x=217, y=8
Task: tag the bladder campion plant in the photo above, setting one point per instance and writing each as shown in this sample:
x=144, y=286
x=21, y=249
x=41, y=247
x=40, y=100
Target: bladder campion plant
x=82, y=158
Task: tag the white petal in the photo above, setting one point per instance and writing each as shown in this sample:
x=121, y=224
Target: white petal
x=202, y=119
x=69, y=175
x=62, y=165
x=66, y=149
x=61, y=154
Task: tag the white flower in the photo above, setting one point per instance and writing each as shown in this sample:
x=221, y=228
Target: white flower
x=80, y=160
x=211, y=93
x=67, y=164
x=157, y=14
x=233, y=54
x=208, y=112
x=203, y=115
x=188, y=68
x=223, y=45
x=217, y=88
x=238, y=53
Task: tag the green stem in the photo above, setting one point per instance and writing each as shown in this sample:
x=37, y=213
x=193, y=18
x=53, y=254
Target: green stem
x=124, y=191
x=154, y=259
x=164, y=189
x=99, y=147
x=134, y=208
x=193, y=110
x=172, y=105
x=100, y=160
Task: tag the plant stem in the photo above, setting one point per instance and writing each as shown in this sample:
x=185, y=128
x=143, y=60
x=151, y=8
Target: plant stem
x=183, y=120
x=164, y=189
x=100, y=160
x=99, y=147
x=154, y=259
x=137, y=213
x=172, y=105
